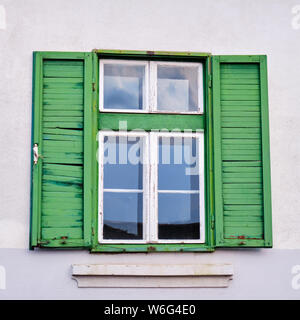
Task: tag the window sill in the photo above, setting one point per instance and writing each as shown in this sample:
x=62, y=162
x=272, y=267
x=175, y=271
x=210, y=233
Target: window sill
x=151, y=276
x=171, y=247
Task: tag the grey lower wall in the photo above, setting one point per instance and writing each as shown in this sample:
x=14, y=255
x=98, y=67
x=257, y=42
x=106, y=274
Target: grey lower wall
x=44, y=274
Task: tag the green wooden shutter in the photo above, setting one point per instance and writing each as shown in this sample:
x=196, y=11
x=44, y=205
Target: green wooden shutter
x=62, y=114
x=241, y=152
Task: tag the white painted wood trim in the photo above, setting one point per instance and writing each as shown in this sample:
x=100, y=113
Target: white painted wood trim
x=124, y=190
x=179, y=191
x=153, y=225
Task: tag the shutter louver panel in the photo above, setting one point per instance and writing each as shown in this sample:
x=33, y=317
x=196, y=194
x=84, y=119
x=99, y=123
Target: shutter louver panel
x=60, y=215
x=62, y=165
x=242, y=205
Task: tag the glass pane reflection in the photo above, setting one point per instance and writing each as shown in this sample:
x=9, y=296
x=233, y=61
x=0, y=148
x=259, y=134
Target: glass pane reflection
x=178, y=216
x=124, y=86
x=177, y=88
x=123, y=215
x=123, y=168
x=178, y=164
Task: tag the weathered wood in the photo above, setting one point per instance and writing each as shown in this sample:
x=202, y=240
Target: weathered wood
x=150, y=122
x=64, y=94
x=239, y=131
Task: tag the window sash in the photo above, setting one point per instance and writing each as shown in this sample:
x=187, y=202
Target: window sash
x=150, y=103
x=101, y=189
x=150, y=186
x=153, y=225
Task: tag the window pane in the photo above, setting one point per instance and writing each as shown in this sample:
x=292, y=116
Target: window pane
x=124, y=86
x=178, y=164
x=178, y=216
x=177, y=88
x=123, y=215
x=123, y=168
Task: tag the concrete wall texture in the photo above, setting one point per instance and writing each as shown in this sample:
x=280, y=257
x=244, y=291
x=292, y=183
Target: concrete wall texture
x=269, y=27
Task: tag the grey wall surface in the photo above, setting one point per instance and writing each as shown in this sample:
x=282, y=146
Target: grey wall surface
x=258, y=274
x=221, y=27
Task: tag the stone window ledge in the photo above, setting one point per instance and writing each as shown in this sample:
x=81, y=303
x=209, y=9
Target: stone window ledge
x=152, y=275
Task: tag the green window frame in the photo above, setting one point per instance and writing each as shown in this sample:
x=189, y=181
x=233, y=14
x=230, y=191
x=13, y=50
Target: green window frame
x=66, y=120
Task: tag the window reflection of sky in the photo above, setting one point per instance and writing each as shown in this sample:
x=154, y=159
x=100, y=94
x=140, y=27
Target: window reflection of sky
x=123, y=211
x=128, y=175
x=177, y=88
x=173, y=93
x=175, y=156
x=178, y=208
x=123, y=87
x=178, y=212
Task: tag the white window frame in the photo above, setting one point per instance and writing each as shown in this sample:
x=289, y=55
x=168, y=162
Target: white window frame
x=128, y=63
x=150, y=94
x=150, y=186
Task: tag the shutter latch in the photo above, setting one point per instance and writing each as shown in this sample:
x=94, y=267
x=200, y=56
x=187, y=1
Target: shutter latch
x=35, y=153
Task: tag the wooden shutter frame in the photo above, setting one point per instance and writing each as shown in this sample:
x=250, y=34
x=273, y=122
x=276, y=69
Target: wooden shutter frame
x=36, y=172
x=219, y=232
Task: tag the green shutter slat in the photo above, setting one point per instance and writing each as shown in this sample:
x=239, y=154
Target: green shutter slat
x=238, y=191
x=56, y=221
x=63, y=107
x=61, y=216
x=70, y=125
x=242, y=211
x=62, y=233
x=242, y=164
x=63, y=132
x=63, y=119
x=245, y=213
x=65, y=103
x=62, y=212
x=245, y=218
x=64, y=113
x=60, y=137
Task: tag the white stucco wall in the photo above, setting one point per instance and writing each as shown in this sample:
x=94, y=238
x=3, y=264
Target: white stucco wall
x=220, y=27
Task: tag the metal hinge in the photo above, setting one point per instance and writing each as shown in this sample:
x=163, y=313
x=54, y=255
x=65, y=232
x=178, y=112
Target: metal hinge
x=94, y=86
x=212, y=222
x=41, y=242
x=209, y=81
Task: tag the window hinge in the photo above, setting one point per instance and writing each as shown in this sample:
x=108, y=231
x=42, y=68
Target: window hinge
x=94, y=86
x=209, y=81
x=212, y=222
x=41, y=242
